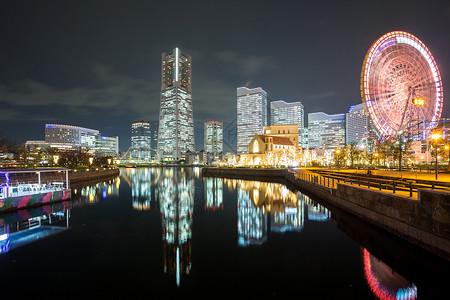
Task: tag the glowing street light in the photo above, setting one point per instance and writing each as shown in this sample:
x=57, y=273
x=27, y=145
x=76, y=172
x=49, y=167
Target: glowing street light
x=436, y=136
x=91, y=160
x=338, y=151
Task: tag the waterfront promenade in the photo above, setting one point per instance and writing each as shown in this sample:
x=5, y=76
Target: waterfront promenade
x=401, y=183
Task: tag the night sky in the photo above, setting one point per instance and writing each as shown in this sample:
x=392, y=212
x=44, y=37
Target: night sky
x=97, y=64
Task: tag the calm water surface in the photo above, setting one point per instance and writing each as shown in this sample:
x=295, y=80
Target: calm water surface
x=168, y=231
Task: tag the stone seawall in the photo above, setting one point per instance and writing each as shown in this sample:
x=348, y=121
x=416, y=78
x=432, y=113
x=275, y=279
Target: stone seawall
x=80, y=177
x=424, y=222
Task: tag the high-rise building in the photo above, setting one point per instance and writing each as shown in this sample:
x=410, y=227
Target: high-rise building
x=213, y=138
x=251, y=115
x=305, y=138
x=358, y=125
x=68, y=134
x=176, y=121
x=106, y=146
x=140, y=134
x=326, y=131
x=140, y=141
x=155, y=136
x=283, y=113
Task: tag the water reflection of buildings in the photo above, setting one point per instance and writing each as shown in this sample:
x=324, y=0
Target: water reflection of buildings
x=252, y=221
x=288, y=214
x=27, y=225
x=90, y=194
x=213, y=193
x=257, y=200
x=384, y=282
x=316, y=212
x=175, y=192
x=141, y=193
x=286, y=209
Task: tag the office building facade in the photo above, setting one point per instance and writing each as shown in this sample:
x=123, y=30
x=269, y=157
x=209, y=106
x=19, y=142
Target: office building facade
x=358, y=125
x=176, y=121
x=283, y=113
x=141, y=134
x=141, y=141
x=213, y=137
x=326, y=131
x=68, y=134
x=68, y=137
x=252, y=115
x=106, y=146
x=305, y=138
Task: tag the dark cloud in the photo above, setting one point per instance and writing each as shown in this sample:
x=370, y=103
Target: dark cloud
x=97, y=64
x=246, y=65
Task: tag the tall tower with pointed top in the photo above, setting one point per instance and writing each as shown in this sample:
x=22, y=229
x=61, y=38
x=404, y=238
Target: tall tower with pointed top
x=176, y=120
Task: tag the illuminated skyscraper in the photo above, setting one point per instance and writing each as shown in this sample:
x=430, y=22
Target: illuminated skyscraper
x=176, y=122
x=326, y=131
x=358, y=125
x=213, y=139
x=140, y=141
x=283, y=113
x=106, y=146
x=251, y=115
x=140, y=134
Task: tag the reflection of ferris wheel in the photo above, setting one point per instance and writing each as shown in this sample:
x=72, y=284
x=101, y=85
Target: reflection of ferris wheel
x=400, y=83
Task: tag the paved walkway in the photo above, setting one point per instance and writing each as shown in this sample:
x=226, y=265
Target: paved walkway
x=424, y=175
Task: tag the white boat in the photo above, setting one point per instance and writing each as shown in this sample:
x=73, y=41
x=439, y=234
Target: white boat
x=15, y=194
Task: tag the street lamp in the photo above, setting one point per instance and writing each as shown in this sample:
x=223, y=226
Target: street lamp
x=418, y=102
x=436, y=136
x=338, y=151
x=55, y=159
x=447, y=147
x=376, y=156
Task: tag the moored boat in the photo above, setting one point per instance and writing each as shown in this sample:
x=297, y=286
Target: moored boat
x=15, y=194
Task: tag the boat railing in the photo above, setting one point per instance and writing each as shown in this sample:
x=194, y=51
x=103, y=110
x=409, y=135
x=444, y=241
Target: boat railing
x=22, y=188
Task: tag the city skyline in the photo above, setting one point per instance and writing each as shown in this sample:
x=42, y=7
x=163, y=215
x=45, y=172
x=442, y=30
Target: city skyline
x=104, y=72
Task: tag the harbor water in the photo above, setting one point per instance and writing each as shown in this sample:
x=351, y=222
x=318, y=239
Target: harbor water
x=170, y=232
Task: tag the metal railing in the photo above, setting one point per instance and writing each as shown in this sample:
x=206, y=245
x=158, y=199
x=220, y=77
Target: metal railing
x=395, y=186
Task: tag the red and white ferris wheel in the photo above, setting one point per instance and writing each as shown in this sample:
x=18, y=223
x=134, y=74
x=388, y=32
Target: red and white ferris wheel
x=401, y=84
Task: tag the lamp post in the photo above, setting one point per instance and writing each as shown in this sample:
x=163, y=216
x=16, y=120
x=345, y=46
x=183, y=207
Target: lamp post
x=376, y=156
x=55, y=159
x=418, y=102
x=436, y=136
x=447, y=147
x=337, y=152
